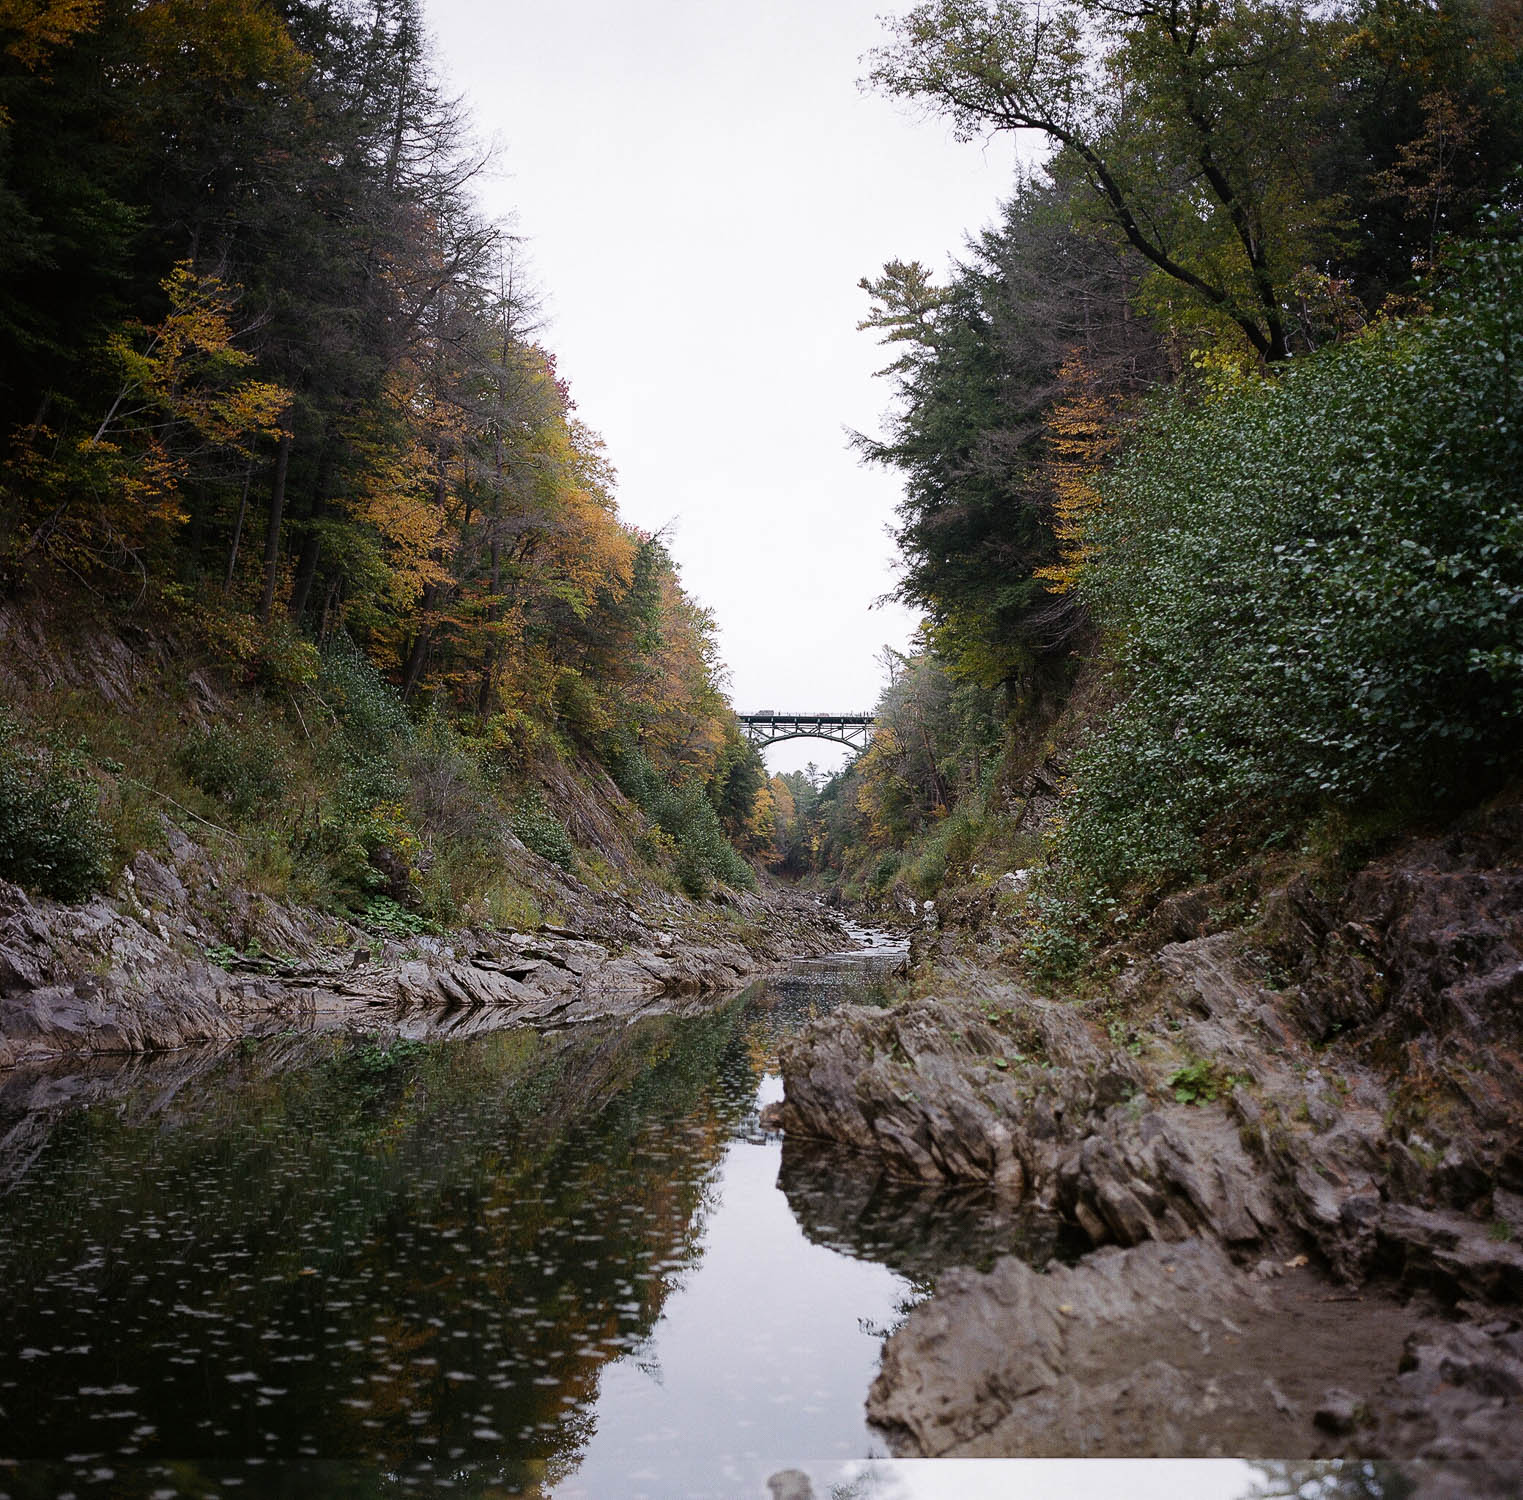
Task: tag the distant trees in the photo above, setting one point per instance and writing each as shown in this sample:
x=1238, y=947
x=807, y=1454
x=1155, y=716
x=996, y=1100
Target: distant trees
x=1038, y=310
x=1228, y=186
x=1160, y=109
x=1210, y=138
x=1170, y=424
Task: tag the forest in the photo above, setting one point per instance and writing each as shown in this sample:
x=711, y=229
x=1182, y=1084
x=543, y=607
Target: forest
x=1208, y=448
x=270, y=383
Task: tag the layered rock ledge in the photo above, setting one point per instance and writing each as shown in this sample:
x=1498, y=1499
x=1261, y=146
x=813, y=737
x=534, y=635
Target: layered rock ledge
x=1296, y=1153
x=176, y=958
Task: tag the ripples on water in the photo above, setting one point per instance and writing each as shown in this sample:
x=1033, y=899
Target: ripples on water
x=520, y=1263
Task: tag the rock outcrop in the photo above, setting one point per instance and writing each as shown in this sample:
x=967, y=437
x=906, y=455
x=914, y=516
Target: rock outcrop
x=1026, y=1094
x=1172, y=1350
x=1314, y=1124
x=174, y=958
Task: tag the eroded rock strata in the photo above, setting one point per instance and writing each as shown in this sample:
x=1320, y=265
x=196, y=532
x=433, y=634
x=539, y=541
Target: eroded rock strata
x=176, y=957
x=1296, y=1151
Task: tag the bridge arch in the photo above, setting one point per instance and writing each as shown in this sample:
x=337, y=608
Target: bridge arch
x=770, y=728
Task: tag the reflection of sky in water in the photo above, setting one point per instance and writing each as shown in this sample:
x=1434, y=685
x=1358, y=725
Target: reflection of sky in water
x=766, y=1353
x=1033, y=1479
x=318, y=1265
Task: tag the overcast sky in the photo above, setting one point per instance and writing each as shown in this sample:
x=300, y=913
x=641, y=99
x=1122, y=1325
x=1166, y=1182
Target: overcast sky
x=701, y=185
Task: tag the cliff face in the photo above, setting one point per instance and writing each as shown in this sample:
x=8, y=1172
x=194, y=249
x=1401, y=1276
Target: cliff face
x=174, y=957
x=1325, y=1105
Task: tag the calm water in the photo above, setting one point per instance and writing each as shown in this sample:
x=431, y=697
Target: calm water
x=567, y=1264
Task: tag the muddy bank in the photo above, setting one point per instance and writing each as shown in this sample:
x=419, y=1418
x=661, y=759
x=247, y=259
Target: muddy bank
x=1296, y=1149
x=176, y=957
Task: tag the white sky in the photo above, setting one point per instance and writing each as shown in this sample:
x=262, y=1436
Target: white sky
x=701, y=185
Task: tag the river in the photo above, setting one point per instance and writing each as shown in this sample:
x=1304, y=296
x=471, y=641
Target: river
x=560, y=1264
x=566, y=1263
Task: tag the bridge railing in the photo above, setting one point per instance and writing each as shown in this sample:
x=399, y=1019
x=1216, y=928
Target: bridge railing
x=768, y=715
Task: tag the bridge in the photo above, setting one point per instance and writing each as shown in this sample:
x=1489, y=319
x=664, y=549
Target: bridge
x=769, y=728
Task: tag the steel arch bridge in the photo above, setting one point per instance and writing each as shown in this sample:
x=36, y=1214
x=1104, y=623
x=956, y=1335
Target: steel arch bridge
x=770, y=728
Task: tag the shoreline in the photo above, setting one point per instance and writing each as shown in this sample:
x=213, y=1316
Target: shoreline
x=151, y=970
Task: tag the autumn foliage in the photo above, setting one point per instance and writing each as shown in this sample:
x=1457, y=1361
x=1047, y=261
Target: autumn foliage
x=267, y=376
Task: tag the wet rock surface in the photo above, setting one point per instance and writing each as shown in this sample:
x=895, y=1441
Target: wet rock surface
x=1315, y=1127
x=916, y=1228
x=173, y=957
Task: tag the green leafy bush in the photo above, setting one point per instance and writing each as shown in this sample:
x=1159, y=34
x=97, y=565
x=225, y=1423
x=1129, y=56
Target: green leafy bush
x=368, y=709
x=234, y=766
x=537, y=828
x=684, y=813
x=52, y=839
x=384, y=915
x=1313, y=589
x=1200, y=1081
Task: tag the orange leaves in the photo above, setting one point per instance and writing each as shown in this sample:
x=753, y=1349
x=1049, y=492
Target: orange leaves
x=1082, y=432
x=182, y=372
x=181, y=404
x=217, y=46
x=32, y=30
x=391, y=500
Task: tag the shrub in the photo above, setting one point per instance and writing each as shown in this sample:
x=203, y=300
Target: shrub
x=537, y=828
x=928, y=872
x=447, y=789
x=391, y=919
x=1201, y=1081
x=1313, y=589
x=369, y=711
x=233, y=766
x=52, y=839
x=684, y=813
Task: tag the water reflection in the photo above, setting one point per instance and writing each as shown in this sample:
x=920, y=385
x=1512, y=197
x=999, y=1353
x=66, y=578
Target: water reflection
x=516, y=1264
x=1150, y=1479
x=915, y=1229
x=412, y=1260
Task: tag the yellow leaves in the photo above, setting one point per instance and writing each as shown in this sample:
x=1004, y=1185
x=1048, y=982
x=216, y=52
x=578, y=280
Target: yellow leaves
x=183, y=370
x=412, y=533
x=34, y=29
x=880, y=784
x=1082, y=432
x=218, y=44
x=181, y=404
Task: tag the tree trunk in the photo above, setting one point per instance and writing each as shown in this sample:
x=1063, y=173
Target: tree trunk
x=311, y=542
x=306, y=571
x=243, y=506
x=329, y=600
x=418, y=655
x=494, y=642
x=272, y=535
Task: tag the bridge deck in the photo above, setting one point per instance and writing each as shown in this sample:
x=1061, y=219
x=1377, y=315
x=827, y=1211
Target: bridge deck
x=768, y=727
x=768, y=716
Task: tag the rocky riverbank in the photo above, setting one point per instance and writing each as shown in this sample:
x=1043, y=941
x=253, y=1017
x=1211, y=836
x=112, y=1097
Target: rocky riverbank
x=1295, y=1148
x=174, y=957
